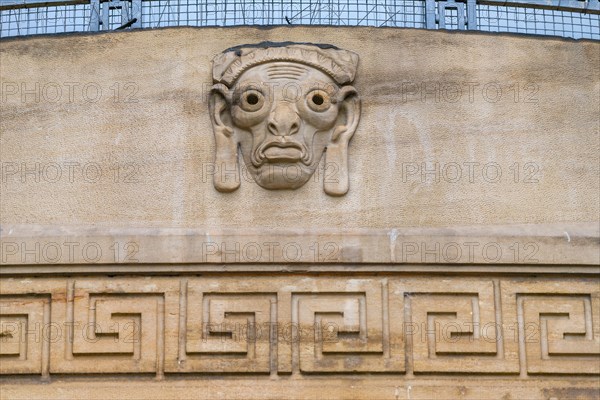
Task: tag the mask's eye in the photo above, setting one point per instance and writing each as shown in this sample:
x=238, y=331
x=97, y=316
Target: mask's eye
x=318, y=100
x=252, y=100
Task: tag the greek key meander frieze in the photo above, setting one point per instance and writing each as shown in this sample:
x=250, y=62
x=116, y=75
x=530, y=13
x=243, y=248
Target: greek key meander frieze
x=300, y=324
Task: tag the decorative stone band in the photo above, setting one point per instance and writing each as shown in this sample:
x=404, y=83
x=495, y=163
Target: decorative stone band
x=301, y=324
x=340, y=64
x=535, y=246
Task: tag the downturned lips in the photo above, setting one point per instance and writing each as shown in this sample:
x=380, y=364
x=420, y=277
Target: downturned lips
x=282, y=152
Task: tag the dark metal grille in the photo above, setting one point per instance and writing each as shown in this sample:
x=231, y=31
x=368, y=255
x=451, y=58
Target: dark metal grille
x=579, y=19
x=44, y=20
x=451, y=19
x=538, y=21
x=206, y=13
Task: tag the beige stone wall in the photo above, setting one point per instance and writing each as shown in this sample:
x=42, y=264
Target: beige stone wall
x=125, y=274
x=541, y=134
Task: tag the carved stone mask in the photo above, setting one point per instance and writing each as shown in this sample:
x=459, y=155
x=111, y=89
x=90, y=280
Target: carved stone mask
x=284, y=105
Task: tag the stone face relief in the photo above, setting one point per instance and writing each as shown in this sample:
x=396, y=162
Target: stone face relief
x=284, y=105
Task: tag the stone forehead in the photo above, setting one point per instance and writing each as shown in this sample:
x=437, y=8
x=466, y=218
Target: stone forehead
x=339, y=64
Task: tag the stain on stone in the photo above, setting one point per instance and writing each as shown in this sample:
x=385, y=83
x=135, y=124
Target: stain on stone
x=268, y=44
x=571, y=393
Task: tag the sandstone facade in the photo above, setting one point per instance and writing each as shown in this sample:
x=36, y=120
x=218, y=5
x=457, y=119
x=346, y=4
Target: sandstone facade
x=459, y=261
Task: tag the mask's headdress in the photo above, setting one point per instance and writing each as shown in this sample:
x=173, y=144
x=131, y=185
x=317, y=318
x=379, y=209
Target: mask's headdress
x=339, y=64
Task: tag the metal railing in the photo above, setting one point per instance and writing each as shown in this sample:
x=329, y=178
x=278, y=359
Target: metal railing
x=566, y=18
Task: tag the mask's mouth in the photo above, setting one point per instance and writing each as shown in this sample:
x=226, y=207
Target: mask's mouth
x=281, y=152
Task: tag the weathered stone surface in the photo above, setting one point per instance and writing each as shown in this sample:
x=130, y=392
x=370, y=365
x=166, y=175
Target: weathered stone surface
x=282, y=105
x=154, y=137
x=302, y=323
x=402, y=325
x=462, y=262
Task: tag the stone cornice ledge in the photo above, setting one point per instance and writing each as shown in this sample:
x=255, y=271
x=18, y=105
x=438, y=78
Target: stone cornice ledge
x=44, y=248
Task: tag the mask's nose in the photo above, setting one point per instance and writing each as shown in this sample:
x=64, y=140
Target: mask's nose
x=283, y=120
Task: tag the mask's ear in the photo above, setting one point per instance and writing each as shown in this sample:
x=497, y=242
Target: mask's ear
x=227, y=170
x=336, y=155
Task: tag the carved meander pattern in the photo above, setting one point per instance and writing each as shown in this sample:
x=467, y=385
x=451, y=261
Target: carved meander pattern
x=300, y=324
